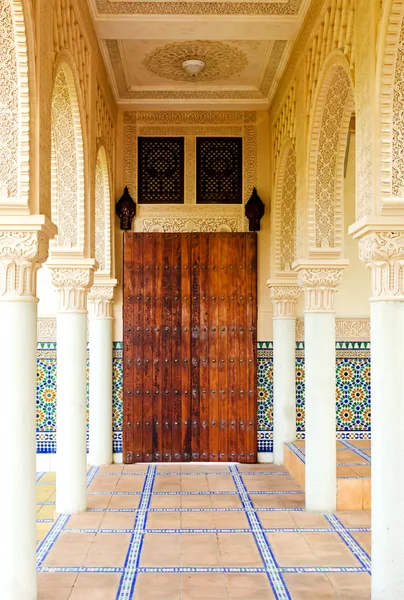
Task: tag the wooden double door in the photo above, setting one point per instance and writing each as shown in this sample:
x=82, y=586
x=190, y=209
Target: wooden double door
x=190, y=314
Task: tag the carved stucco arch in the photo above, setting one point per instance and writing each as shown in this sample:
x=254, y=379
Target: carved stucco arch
x=390, y=95
x=16, y=79
x=68, y=158
x=285, y=210
x=328, y=132
x=103, y=213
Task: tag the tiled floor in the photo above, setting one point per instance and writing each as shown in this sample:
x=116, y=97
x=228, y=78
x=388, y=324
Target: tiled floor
x=188, y=532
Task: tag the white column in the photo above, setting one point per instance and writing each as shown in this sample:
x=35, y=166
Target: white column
x=384, y=254
x=21, y=254
x=100, y=336
x=320, y=285
x=284, y=298
x=72, y=284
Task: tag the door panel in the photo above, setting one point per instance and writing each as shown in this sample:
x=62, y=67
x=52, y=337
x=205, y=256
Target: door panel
x=190, y=347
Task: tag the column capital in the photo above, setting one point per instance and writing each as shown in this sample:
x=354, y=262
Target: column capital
x=100, y=298
x=320, y=283
x=383, y=253
x=72, y=280
x=284, y=298
x=23, y=249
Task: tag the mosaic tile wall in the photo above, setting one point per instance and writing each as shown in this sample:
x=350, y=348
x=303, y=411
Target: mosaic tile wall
x=352, y=394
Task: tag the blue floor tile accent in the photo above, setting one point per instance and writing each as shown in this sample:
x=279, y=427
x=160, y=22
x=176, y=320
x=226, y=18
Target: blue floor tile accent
x=271, y=566
x=128, y=579
x=358, y=451
x=352, y=544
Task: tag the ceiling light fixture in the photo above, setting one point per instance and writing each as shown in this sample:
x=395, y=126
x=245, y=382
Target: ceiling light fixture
x=193, y=66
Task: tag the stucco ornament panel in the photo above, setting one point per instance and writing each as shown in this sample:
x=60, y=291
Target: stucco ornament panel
x=398, y=121
x=201, y=7
x=284, y=300
x=345, y=329
x=329, y=196
x=72, y=285
x=21, y=255
x=185, y=224
x=383, y=252
x=221, y=60
x=66, y=175
x=287, y=231
x=320, y=286
x=9, y=105
x=102, y=214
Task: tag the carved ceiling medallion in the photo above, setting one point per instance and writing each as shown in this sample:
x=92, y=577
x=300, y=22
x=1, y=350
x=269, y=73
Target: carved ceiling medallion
x=221, y=60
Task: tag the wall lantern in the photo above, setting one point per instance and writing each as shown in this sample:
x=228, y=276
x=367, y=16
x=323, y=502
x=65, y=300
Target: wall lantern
x=254, y=211
x=126, y=210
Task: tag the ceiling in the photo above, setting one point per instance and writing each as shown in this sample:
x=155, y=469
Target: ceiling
x=244, y=45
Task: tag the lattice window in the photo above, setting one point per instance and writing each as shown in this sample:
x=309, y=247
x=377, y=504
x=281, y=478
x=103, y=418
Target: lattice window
x=161, y=170
x=219, y=177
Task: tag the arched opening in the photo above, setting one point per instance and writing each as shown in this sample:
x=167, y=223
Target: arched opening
x=102, y=214
x=67, y=162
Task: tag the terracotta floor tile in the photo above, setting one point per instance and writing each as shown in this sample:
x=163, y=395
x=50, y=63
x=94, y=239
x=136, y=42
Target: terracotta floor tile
x=248, y=586
x=158, y=586
x=103, y=483
x=309, y=586
x=195, y=483
x=164, y=520
x=308, y=519
x=276, y=519
x=259, y=483
x=205, y=520
x=200, y=550
x=45, y=580
x=118, y=520
x=195, y=501
x=171, y=483
x=203, y=586
x=85, y=520
x=92, y=594
x=98, y=580
x=161, y=550
x=224, y=483
x=239, y=550
x=231, y=520
x=268, y=501
x=98, y=500
x=355, y=518
x=129, y=484
x=54, y=593
x=67, y=555
x=135, y=468
x=124, y=502
x=225, y=501
x=165, y=501
x=111, y=469
x=351, y=582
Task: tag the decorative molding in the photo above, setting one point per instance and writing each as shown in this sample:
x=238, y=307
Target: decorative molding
x=345, y=329
x=21, y=255
x=284, y=233
x=15, y=103
x=319, y=285
x=328, y=137
x=191, y=124
x=285, y=126
x=221, y=60
x=200, y=7
x=284, y=300
x=46, y=329
x=100, y=300
x=383, y=252
x=68, y=179
x=184, y=224
x=102, y=214
x=73, y=284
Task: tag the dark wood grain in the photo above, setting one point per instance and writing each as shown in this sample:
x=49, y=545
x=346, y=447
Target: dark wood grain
x=190, y=318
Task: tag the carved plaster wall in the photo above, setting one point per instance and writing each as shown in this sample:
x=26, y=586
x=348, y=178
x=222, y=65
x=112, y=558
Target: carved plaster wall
x=201, y=7
x=285, y=210
x=102, y=214
x=67, y=162
x=328, y=138
x=14, y=103
x=190, y=124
